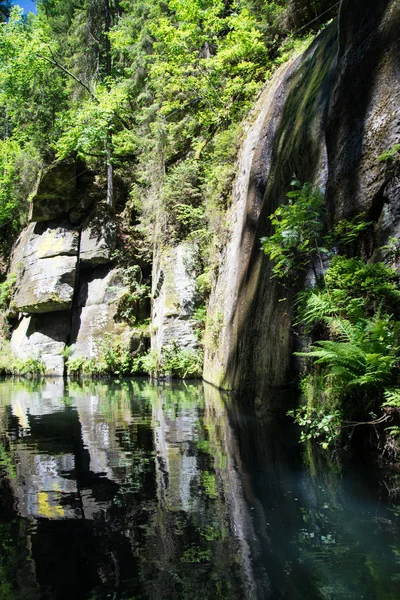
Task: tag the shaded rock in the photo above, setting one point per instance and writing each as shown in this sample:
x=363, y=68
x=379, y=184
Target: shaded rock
x=98, y=240
x=43, y=336
x=95, y=316
x=174, y=296
x=248, y=338
x=44, y=261
x=364, y=116
x=90, y=192
x=55, y=193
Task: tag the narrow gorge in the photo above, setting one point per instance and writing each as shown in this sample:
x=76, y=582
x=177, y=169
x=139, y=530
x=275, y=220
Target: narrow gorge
x=325, y=116
x=199, y=299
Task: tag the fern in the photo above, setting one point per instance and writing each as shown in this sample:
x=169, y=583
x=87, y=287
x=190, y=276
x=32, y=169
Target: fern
x=392, y=397
x=363, y=355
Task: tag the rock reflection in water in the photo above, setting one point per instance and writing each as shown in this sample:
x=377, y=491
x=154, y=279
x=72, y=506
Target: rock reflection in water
x=134, y=490
x=130, y=488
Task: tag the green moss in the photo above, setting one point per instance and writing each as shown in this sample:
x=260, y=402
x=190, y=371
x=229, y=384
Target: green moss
x=297, y=140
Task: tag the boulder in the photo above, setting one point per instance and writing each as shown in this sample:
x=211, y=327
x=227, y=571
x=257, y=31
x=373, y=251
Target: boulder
x=95, y=315
x=43, y=336
x=55, y=193
x=44, y=262
x=174, y=296
x=98, y=240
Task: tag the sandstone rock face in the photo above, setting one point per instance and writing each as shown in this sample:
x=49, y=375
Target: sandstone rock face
x=98, y=240
x=173, y=296
x=326, y=118
x=43, y=336
x=94, y=317
x=64, y=290
x=364, y=116
x=55, y=194
x=44, y=261
x=248, y=335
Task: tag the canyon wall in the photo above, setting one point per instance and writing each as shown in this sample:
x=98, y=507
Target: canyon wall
x=67, y=287
x=325, y=118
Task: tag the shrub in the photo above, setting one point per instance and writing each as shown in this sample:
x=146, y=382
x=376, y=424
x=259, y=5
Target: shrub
x=6, y=291
x=297, y=227
x=352, y=315
x=33, y=366
x=174, y=362
x=182, y=363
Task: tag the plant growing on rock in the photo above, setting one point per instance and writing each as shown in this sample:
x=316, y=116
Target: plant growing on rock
x=129, y=305
x=31, y=367
x=352, y=315
x=297, y=228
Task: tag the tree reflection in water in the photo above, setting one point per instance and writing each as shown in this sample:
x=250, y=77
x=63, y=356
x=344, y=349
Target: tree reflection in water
x=134, y=490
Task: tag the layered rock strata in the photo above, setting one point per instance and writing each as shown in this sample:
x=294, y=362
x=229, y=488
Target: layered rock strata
x=67, y=288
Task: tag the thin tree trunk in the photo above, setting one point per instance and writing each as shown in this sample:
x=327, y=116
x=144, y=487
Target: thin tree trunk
x=110, y=168
x=110, y=174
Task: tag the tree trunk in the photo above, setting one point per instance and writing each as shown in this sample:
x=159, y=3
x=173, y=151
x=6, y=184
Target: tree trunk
x=110, y=168
x=110, y=175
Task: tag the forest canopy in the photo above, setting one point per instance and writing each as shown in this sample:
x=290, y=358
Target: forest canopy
x=152, y=89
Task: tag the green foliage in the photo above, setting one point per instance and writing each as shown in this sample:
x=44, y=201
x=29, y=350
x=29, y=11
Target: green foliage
x=392, y=398
x=360, y=361
x=200, y=316
x=116, y=360
x=317, y=425
x=220, y=169
x=347, y=231
x=75, y=365
x=32, y=366
x=6, y=291
x=174, y=361
x=203, y=283
x=352, y=314
x=181, y=363
x=391, y=251
x=297, y=229
x=129, y=305
x=390, y=155
x=182, y=197
x=209, y=483
x=364, y=354
x=351, y=289
x=5, y=8
x=358, y=305
x=31, y=92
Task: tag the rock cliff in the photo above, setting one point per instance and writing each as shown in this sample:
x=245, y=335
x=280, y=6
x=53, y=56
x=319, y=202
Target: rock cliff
x=325, y=117
x=67, y=288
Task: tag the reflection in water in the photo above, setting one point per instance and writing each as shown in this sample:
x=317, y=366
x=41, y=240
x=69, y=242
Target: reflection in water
x=134, y=490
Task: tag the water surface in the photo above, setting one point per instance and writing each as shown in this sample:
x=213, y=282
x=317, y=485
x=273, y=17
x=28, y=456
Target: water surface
x=135, y=490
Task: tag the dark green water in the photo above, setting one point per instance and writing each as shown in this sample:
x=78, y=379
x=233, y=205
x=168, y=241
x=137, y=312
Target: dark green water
x=135, y=490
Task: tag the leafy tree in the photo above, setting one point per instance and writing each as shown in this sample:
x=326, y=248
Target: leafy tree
x=5, y=7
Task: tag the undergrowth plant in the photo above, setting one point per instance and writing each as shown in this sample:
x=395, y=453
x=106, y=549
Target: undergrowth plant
x=297, y=227
x=351, y=316
x=115, y=359
x=31, y=367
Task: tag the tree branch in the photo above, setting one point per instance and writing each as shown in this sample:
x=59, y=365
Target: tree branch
x=53, y=61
